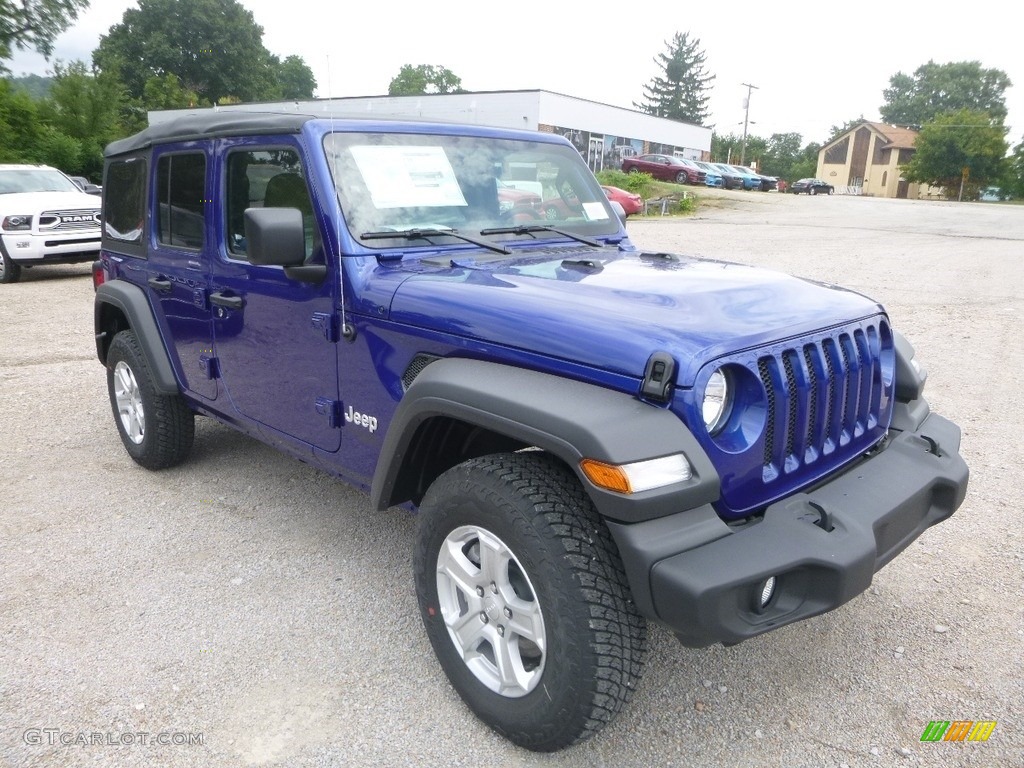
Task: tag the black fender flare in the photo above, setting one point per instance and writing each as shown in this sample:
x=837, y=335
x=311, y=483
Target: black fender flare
x=569, y=419
x=131, y=301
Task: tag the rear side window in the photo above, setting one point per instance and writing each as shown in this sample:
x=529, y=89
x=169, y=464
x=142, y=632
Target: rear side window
x=181, y=200
x=124, y=200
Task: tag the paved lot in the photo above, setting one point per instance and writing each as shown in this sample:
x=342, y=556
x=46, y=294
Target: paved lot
x=256, y=602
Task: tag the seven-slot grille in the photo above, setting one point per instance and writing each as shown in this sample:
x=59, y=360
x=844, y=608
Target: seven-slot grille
x=822, y=396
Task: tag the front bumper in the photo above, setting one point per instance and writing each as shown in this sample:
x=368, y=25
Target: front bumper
x=702, y=578
x=63, y=248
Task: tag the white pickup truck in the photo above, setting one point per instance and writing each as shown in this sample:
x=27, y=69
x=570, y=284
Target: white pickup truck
x=44, y=219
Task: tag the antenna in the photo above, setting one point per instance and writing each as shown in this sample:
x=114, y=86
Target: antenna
x=348, y=332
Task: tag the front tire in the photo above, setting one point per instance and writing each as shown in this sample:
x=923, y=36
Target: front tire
x=524, y=600
x=156, y=429
x=10, y=272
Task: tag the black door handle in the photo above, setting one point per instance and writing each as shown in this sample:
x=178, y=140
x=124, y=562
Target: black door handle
x=231, y=302
x=160, y=284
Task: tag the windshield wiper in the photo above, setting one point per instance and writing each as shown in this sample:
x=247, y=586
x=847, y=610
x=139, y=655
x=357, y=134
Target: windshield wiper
x=529, y=229
x=425, y=234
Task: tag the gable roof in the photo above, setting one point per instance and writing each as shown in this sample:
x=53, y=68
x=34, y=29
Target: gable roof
x=894, y=136
x=897, y=137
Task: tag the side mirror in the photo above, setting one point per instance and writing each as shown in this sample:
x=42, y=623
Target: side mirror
x=275, y=237
x=619, y=211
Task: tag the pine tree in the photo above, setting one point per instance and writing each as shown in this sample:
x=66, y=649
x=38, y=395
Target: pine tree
x=680, y=92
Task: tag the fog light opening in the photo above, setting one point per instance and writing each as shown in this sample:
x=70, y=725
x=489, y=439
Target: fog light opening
x=766, y=593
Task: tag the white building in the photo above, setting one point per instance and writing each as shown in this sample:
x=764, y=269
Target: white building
x=602, y=133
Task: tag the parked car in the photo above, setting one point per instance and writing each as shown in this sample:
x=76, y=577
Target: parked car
x=811, y=187
x=44, y=219
x=767, y=182
x=87, y=186
x=630, y=203
x=518, y=203
x=712, y=176
x=748, y=178
x=665, y=168
x=730, y=179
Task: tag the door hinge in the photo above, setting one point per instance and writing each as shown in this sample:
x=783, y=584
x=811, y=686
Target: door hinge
x=325, y=324
x=210, y=366
x=331, y=409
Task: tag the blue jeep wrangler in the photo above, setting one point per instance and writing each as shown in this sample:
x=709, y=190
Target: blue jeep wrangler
x=454, y=319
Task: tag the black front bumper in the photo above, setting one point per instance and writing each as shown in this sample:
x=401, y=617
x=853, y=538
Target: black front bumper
x=703, y=579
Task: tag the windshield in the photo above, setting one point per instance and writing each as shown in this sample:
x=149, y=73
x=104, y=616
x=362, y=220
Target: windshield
x=35, y=180
x=502, y=188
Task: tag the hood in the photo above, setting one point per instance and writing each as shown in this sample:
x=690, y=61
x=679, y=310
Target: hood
x=37, y=202
x=614, y=314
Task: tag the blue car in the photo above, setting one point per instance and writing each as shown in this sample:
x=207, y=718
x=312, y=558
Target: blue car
x=750, y=179
x=712, y=177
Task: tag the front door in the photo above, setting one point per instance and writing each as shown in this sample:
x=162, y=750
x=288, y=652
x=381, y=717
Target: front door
x=275, y=337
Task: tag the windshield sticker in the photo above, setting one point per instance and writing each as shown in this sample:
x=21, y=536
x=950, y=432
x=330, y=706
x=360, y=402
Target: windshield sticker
x=594, y=211
x=406, y=177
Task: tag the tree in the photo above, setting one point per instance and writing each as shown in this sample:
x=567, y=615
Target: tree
x=84, y=106
x=956, y=141
x=424, y=78
x=935, y=89
x=680, y=92
x=782, y=154
x=839, y=130
x=294, y=78
x=214, y=47
x=1013, y=178
x=34, y=24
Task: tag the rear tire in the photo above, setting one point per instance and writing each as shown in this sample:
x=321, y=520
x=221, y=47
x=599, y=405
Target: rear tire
x=156, y=429
x=524, y=599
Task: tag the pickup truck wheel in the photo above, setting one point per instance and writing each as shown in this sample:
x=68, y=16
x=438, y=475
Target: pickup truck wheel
x=9, y=271
x=524, y=599
x=156, y=429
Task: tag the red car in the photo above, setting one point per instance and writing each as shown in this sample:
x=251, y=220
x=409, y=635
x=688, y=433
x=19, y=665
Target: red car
x=666, y=168
x=630, y=203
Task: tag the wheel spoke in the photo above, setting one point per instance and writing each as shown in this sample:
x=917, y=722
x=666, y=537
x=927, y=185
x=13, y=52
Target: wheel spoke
x=527, y=622
x=514, y=678
x=468, y=631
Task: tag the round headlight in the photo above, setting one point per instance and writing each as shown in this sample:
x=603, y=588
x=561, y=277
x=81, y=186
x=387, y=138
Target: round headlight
x=717, y=401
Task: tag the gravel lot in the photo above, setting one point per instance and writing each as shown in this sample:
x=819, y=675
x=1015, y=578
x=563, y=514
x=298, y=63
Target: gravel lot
x=257, y=602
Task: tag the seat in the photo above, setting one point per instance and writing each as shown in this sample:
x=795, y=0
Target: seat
x=288, y=190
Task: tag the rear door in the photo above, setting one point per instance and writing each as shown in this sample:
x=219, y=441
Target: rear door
x=178, y=270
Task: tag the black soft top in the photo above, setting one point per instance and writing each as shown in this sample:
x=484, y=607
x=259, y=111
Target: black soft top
x=205, y=125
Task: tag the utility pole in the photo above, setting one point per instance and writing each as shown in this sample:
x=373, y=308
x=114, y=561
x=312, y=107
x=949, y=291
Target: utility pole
x=746, y=121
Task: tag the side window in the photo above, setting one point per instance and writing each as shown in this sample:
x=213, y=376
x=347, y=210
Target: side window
x=181, y=194
x=266, y=178
x=124, y=200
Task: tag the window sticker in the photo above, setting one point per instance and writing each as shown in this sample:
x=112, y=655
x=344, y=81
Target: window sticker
x=407, y=177
x=594, y=211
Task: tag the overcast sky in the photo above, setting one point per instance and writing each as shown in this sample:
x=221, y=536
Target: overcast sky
x=815, y=64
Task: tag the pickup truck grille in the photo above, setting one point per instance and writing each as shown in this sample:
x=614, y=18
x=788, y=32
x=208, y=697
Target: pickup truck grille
x=69, y=221
x=827, y=399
